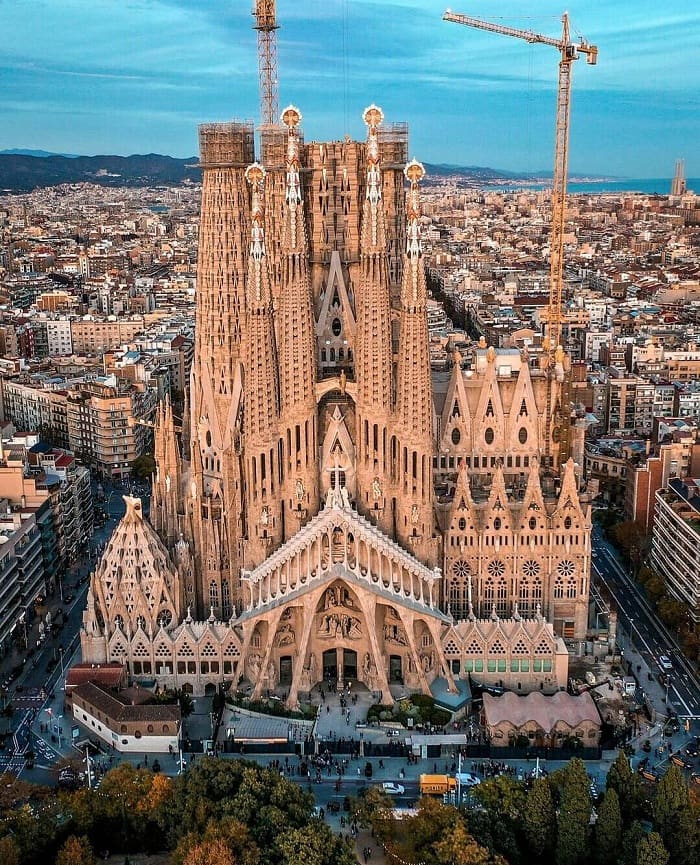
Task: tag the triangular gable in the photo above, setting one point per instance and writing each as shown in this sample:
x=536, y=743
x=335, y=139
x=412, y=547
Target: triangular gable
x=455, y=413
x=523, y=414
x=336, y=301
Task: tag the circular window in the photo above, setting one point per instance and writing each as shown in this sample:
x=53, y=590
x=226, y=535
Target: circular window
x=461, y=568
x=531, y=568
x=489, y=435
x=566, y=568
x=137, y=734
x=165, y=617
x=336, y=327
x=456, y=436
x=497, y=523
x=532, y=523
x=496, y=568
x=462, y=524
x=149, y=729
x=567, y=523
x=522, y=435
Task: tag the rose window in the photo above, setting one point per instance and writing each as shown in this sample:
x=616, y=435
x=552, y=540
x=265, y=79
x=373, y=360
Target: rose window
x=531, y=568
x=461, y=568
x=165, y=617
x=566, y=568
x=496, y=568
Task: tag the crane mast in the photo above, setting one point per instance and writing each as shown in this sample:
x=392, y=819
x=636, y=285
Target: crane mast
x=569, y=52
x=266, y=25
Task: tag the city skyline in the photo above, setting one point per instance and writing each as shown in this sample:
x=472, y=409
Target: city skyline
x=140, y=76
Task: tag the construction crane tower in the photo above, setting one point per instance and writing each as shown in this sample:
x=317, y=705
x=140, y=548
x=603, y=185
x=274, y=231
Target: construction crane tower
x=266, y=25
x=569, y=52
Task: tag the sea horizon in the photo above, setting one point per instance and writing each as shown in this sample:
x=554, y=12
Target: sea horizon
x=646, y=186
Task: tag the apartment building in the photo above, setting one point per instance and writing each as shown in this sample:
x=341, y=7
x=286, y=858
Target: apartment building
x=675, y=551
x=103, y=423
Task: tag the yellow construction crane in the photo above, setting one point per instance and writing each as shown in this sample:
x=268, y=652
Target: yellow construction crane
x=266, y=25
x=569, y=51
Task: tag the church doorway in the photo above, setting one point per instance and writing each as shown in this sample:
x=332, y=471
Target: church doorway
x=349, y=664
x=395, y=669
x=286, y=670
x=209, y=689
x=330, y=665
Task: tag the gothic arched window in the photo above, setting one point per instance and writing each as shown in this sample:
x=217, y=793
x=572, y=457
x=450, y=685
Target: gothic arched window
x=213, y=595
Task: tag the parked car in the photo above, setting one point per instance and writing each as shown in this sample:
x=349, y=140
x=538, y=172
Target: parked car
x=393, y=789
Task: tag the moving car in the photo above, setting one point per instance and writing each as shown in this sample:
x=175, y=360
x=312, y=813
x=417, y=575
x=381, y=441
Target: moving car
x=466, y=779
x=393, y=789
x=665, y=664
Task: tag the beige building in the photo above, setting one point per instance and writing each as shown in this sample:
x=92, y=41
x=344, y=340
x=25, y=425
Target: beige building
x=103, y=424
x=93, y=336
x=545, y=721
x=333, y=510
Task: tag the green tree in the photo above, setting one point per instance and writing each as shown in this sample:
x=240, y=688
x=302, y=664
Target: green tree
x=608, y=829
x=539, y=818
x=574, y=815
x=502, y=795
x=76, y=851
x=459, y=848
x=630, y=842
x=320, y=846
x=627, y=785
x=651, y=850
x=144, y=466
x=674, y=820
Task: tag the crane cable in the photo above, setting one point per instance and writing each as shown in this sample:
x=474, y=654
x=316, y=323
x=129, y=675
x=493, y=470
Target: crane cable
x=345, y=64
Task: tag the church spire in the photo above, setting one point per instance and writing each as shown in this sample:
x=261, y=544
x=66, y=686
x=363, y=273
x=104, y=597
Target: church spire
x=297, y=359
x=165, y=501
x=414, y=401
x=373, y=347
x=262, y=392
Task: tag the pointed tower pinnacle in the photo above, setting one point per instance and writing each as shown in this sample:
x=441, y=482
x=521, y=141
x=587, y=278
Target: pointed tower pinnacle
x=373, y=347
x=297, y=356
x=262, y=390
x=414, y=402
x=165, y=503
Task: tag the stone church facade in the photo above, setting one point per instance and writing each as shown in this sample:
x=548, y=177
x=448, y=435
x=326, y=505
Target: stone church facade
x=331, y=509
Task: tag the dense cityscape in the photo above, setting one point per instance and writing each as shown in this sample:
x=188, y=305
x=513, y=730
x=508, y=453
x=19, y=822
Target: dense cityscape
x=349, y=512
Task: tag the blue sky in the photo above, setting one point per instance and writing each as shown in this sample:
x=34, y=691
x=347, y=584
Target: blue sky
x=135, y=76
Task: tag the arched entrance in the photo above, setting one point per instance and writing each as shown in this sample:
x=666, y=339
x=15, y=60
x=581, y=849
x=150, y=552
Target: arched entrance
x=330, y=665
x=209, y=689
x=349, y=664
x=395, y=669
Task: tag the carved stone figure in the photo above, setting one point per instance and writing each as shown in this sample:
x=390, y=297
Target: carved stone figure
x=264, y=516
x=254, y=667
x=395, y=634
x=331, y=598
x=299, y=490
x=376, y=489
x=286, y=635
x=271, y=676
x=414, y=514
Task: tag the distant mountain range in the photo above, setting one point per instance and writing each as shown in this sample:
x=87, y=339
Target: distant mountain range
x=20, y=172
x=24, y=170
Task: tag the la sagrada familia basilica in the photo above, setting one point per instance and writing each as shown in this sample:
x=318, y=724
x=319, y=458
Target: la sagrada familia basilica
x=330, y=509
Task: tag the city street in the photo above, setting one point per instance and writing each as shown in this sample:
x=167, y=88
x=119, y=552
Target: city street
x=646, y=632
